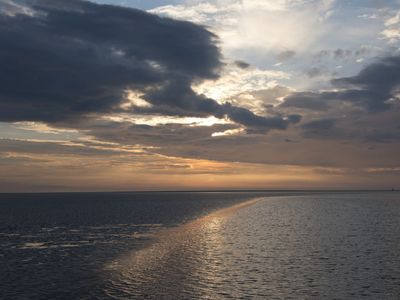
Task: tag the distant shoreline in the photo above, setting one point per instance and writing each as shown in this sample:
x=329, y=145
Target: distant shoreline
x=212, y=191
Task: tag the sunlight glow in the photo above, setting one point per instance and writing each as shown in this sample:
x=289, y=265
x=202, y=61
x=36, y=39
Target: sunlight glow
x=228, y=132
x=155, y=120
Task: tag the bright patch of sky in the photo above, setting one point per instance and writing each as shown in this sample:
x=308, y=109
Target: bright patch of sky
x=312, y=41
x=36, y=131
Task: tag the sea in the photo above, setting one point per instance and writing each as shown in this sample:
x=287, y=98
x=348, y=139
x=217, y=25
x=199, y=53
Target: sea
x=200, y=245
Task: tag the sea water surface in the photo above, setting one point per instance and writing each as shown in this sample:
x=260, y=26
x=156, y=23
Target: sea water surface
x=200, y=245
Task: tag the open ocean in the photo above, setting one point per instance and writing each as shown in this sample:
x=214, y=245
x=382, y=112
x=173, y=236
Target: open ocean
x=200, y=245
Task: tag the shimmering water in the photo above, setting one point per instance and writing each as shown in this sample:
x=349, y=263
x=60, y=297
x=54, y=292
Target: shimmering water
x=178, y=246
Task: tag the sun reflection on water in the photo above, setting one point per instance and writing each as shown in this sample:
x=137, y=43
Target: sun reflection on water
x=181, y=260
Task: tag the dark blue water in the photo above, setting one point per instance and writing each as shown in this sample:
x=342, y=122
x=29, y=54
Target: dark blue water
x=54, y=245
x=169, y=246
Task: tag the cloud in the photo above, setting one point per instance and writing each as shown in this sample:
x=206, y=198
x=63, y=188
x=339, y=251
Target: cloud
x=373, y=88
x=54, y=147
x=348, y=55
x=245, y=117
x=178, y=95
x=392, y=31
x=315, y=72
x=235, y=80
x=285, y=24
x=286, y=55
x=305, y=100
x=342, y=54
x=75, y=58
x=322, y=124
x=242, y=64
x=260, y=101
x=10, y=8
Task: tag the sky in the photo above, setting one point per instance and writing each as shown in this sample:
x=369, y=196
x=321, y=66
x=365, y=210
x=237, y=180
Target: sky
x=113, y=95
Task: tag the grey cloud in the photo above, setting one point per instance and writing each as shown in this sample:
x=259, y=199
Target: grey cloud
x=179, y=95
x=75, y=58
x=11, y=161
x=382, y=137
x=242, y=64
x=321, y=55
x=40, y=147
x=11, y=8
x=305, y=100
x=325, y=129
x=316, y=72
x=339, y=54
x=342, y=54
x=287, y=140
x=247, y=118
x=285, y=55
x=371, y=88
x=374, y=85
x=294, y=118
x=362, y=51
x=323, y=124
x=313, y=146
x=172, y=136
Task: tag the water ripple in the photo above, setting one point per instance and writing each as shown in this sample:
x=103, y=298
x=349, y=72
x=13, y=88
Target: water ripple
x=279, y=248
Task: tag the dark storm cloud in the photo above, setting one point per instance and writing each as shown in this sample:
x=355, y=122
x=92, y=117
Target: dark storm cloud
x=372, y=88
x=68, y=59
x=178, y=94
x=74, y=57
